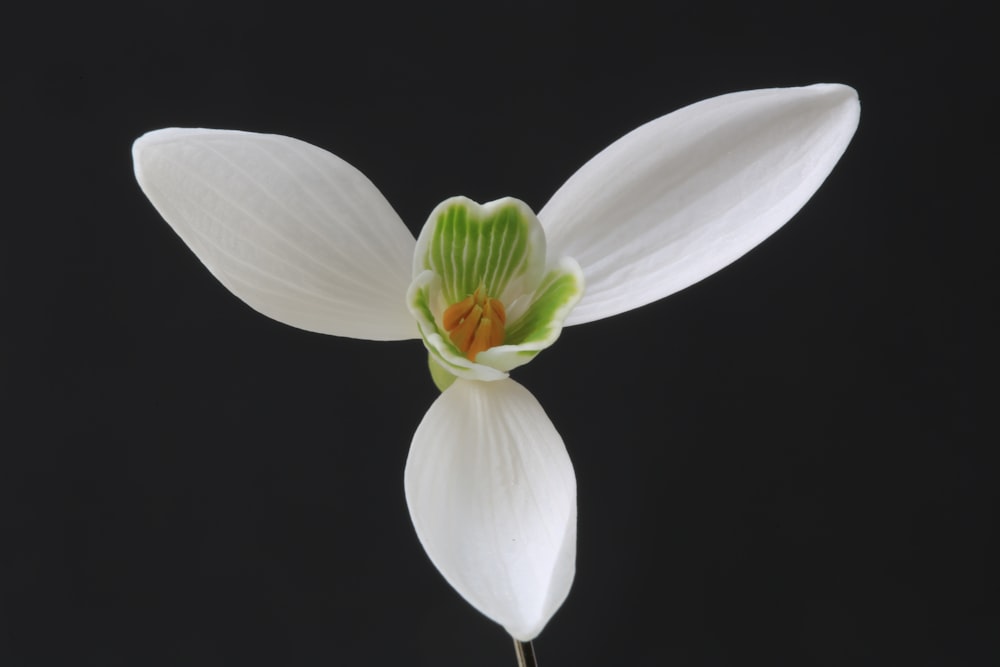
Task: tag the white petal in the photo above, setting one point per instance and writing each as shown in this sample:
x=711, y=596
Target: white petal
x=683, y=196
x=294, y=231
x=492, y=495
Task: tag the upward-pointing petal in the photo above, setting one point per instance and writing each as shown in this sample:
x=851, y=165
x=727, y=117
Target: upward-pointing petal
x=681, y=197
x=292, y=230
x=492, y=495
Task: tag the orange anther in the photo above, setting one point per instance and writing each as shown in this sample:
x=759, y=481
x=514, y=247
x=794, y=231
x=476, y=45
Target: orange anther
x=463, y=334
x=495, y=310
x=481, y=341
x=475, y=323
x=455, y=313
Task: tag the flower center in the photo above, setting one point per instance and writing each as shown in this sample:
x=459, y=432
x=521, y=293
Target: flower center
x=475, y=323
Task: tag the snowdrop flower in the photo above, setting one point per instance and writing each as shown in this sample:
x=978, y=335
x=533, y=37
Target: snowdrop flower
x=305, y=238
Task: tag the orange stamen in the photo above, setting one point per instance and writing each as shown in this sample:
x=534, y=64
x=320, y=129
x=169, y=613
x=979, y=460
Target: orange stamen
x=463, y=334
x=495, y=310
x=481, y=341
x=475, y=323
x=457, y=312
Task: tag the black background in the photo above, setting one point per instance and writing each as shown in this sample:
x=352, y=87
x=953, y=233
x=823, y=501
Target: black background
x=786, y=464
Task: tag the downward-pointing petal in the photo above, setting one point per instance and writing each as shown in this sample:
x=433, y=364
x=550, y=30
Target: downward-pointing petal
x=294, y=231
x=492, y=495
x=684, y=195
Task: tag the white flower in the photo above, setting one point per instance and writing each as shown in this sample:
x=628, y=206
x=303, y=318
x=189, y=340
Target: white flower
x=305, y=238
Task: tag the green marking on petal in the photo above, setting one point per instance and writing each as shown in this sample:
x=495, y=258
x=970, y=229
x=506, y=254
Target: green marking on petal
x=443, y=352
x=540, y=325
x=555, y=297
x=476, y=268
x=499, y=246
x=442, y=378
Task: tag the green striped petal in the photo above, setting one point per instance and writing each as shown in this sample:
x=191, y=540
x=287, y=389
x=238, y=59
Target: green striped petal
x=424, y=291
x=542, y=321
x=498, y=247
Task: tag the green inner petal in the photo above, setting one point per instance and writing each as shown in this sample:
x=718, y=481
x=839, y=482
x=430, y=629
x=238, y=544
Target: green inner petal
x=471, y=246
x=560, y=290
x=447, y=357
x=540, y=325
x=498, y=249
x=442, y=378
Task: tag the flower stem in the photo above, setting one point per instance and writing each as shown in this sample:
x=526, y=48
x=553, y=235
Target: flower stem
x=525, y=654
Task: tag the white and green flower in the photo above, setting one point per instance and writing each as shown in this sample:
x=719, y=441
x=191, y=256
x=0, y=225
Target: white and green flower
x=305, y=238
